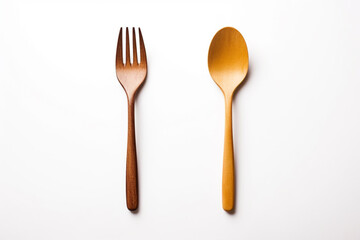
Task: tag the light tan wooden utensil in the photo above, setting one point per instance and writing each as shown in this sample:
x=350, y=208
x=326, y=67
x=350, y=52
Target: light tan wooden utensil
x=228, y=64
x=131, y=76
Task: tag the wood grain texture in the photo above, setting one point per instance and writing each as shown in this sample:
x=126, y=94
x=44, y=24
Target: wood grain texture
x=131, y=76
x=228, y=63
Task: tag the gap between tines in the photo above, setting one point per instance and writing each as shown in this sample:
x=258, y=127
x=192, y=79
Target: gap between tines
x=131, y=44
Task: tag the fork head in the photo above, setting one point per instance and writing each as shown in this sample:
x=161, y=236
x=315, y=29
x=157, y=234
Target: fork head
x=131, y=75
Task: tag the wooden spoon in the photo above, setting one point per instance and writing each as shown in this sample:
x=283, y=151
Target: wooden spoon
x=228, y=63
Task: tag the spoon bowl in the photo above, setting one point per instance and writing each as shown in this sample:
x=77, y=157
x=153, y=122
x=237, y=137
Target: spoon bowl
x=228, y=59
x=228, y=63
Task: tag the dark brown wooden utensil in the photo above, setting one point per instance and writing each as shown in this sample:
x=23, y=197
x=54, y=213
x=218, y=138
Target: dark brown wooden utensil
x=131, y=76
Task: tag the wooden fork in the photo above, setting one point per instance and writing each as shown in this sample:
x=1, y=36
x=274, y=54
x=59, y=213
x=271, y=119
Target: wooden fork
x=131, y=76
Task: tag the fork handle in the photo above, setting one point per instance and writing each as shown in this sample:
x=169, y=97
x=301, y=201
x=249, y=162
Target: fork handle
x=228, y=177
x=131, y=161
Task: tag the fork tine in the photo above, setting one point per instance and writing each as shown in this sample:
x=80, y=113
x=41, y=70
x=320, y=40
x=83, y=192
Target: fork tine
x=119, y=53
x=134, y=48
x=142, y=50
x=127, y=47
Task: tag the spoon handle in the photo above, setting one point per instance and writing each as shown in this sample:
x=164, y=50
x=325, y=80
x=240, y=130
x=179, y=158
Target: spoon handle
x=131, y=162
x=228, y=161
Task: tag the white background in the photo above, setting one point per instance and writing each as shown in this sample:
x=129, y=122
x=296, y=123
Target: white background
x=63, y=122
